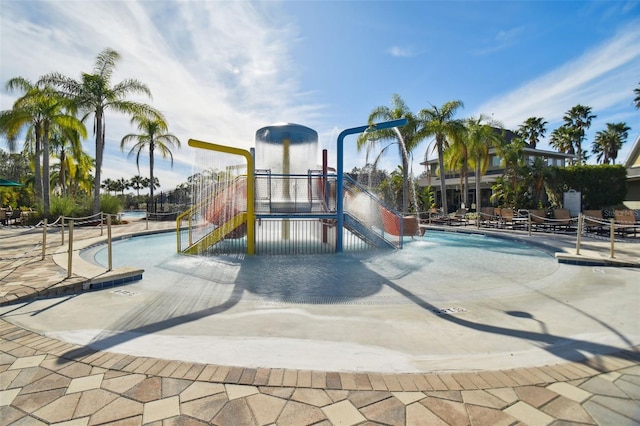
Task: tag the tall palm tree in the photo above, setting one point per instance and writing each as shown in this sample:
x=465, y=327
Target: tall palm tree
x=562, y=139
x=406, y=137
x=637, y=99
x=153, y=136
x=137, y=183
x=532, y=130
x=456, y=158
x=608, y=142
x=67, y=148
x=579, y=118
x=42, y=111
x=481, y=135
x=95, y=94
x=108, y=185
x=439, y=122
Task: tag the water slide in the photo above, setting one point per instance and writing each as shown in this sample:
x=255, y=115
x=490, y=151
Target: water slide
x=227, y=211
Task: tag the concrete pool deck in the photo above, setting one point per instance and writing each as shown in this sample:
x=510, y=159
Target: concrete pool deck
x=48, y=380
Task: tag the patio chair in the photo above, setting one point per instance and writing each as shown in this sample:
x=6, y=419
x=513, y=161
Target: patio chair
x=3, y=217
x=562, y=219
x=625, y=222
x=486, y=217
x=459, y=218
x=594, y=221
x=538, y=218
x=506, y=217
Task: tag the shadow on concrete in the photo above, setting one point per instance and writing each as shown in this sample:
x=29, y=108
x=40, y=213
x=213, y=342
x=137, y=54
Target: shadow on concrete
x=257, y=274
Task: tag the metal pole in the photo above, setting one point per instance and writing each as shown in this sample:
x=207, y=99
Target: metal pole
x=44, y=238
x=340, y=171
x=612, y=236
x=61, y=230
x=70, y=254
x=529, y=223
x=101, y=224
x=109, y=248
x=146, y=219
x=579, y=239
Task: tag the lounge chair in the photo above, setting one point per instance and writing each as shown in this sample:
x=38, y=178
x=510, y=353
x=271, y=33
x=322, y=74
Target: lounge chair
x=506, y=217
x=538, y=218
x=459, y=218
x=562, y=219
x=486, y=217
x=594, y=221
x=625, y=221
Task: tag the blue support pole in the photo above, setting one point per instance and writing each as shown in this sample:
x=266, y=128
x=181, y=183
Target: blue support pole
x=340, y=170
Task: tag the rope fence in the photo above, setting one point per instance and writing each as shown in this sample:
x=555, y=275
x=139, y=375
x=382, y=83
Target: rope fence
x=70, y=230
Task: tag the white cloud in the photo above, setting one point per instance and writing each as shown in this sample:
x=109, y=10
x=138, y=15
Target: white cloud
x=401, y=52
x=502, y=40
x=601, y=78
x=217, y=70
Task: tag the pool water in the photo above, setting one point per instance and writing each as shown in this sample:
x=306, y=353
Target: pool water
x=132, y=214
x=441, y=266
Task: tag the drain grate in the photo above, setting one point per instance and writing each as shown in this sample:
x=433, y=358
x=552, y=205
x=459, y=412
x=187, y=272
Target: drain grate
x=124, y=292
x=448, y=311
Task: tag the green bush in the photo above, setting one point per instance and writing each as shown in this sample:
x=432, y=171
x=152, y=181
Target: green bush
x=110, y=204
x=601, y=186
x=62, y=206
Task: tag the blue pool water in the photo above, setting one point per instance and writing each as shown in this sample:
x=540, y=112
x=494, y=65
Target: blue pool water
x=133, y=214
x=446, y=266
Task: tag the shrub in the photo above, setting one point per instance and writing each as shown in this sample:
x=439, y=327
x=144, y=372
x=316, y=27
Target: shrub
x=62, y=206
x=600, y=186
x=110, y=204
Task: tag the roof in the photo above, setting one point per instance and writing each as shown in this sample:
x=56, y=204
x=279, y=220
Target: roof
x=632, y=159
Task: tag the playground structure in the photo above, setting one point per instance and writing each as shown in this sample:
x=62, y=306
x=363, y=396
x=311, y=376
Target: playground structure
x=276, y=199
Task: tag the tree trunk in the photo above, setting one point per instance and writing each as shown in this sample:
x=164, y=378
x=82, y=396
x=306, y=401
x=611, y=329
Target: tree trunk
x=37, y=164
x=443, y=186
x=45, y=171
x=151, y=175
x=478, y=196
x=99, y=151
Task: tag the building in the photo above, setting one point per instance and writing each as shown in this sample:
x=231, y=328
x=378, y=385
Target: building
x=632, y=165
x=495, y=170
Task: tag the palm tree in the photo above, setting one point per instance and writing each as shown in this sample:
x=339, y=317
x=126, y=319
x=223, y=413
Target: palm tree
x=137, y=182
x=456, y=158
x=68, y=149
x=122, y=185
x=108, y=185
x=42, y=112
x=406, y=137
x=481, y=135
x=532, y=130
x=153, y=136
x=608, y=142
x=579, y=120
x=513, y=160
x=94, y=94
x=562, y=139
x=637, y=99
x=439, y=122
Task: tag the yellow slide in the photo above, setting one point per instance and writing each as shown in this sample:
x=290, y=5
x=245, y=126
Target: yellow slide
x=217, y=234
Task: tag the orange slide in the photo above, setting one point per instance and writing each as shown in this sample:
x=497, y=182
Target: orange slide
x=228, y=203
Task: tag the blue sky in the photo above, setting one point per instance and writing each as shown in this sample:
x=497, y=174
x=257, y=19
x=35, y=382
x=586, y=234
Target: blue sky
x=221, y=70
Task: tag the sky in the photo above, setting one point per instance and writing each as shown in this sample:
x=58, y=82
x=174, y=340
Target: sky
x=220, y=70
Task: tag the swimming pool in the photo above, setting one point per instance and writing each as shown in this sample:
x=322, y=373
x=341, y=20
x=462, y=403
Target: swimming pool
x=132, y=214
x=447, y=302
x=441, y=266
